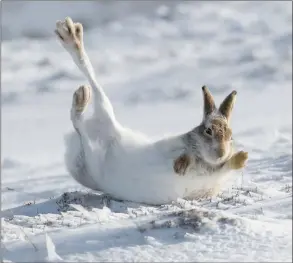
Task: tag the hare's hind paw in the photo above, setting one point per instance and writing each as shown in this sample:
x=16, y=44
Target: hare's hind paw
x=70, y=34
x=81, y=98
x=238, y=160
x=181, y=164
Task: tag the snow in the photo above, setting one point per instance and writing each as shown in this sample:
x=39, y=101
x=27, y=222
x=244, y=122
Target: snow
x=151, y=59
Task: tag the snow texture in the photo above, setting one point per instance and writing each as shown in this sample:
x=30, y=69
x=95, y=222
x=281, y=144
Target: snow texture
x=152, y=59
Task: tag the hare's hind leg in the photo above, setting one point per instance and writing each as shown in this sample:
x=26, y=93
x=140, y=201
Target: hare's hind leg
x=78, y=144
x=103, y=122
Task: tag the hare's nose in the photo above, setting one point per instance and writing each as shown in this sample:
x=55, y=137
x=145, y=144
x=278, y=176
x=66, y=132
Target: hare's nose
x=221, y=150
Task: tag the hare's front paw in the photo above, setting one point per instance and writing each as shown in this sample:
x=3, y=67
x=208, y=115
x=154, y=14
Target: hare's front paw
x=70, y=34
x=238, y=160
x=181, y=164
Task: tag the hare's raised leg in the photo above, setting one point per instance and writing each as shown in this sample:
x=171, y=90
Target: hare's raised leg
x=80, y=101
x=71, y=37
x=181, y=164
x=79, y=150
x=237, y=161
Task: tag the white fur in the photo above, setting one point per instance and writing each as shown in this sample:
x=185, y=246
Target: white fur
x=103, y=155
x=138, y=170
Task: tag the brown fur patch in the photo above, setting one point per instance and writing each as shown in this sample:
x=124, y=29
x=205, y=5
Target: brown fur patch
x=238, y=160
x=227, y=105
x=221, y=130
x=181, y=164
x=209, y=104
x=78, y=30
x=221, y=149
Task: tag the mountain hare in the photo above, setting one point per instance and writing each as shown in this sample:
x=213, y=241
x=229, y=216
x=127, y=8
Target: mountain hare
x=103, y=155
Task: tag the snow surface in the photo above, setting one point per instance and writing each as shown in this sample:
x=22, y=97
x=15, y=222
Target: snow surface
x=152, y=60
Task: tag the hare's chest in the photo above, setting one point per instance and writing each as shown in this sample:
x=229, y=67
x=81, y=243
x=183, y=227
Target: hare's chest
x=200, y=169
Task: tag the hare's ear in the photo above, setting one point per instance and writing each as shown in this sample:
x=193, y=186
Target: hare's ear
x=227, y=105
x=209, y=104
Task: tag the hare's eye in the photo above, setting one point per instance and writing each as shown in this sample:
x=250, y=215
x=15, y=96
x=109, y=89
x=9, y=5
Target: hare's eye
x=209, y=131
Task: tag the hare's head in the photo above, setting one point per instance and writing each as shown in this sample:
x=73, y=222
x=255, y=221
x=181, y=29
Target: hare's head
x=214, y=134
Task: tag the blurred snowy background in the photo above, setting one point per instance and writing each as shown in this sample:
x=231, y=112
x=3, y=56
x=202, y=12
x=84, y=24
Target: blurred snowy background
x=151, y=57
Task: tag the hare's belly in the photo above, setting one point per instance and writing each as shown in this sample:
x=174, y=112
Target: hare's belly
x=143, y=191
x=152, y=184
x=202, y=185
x=156, y=184
x=145, y=176
x=157, y=188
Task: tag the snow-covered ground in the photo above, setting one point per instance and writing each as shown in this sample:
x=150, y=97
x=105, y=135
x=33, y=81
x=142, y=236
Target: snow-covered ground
x=152, y=61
